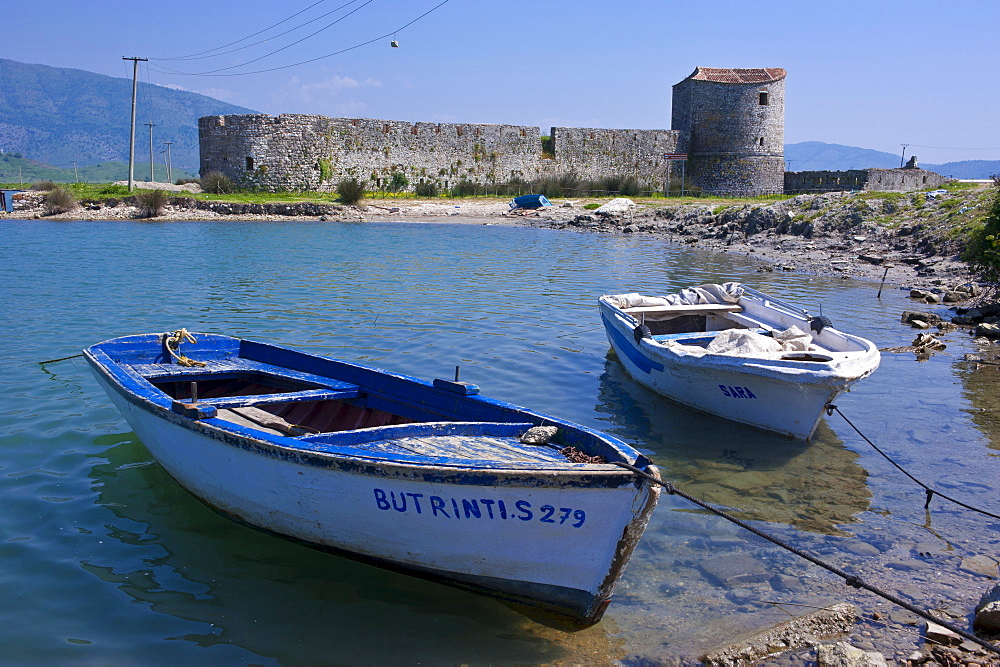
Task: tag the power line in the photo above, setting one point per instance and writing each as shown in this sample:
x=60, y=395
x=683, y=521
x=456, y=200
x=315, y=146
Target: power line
x=955, y=148
x=301, y=25
x=259, y=32
x=266, y=55
x=303, y=62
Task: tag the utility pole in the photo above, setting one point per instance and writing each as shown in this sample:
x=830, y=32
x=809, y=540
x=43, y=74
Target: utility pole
x=902, y=159
x=170, y=174
x=131, y=136
x=76, y=172
x=151, y=126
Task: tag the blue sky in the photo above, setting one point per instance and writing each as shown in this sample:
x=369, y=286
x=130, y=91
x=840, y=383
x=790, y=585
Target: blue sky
x=873, y=74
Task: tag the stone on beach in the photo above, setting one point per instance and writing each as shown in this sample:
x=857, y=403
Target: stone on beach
x=988, y=611
x=619, y=206
x=843, y=654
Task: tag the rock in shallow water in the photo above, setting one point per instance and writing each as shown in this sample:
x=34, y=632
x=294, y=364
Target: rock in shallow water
x=988, y=611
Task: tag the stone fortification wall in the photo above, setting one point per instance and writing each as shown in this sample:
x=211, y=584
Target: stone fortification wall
x=902, y=180
x=883, y=180
x=732, y=122
x=309, y=152
x=797, y=182
x=593, y=153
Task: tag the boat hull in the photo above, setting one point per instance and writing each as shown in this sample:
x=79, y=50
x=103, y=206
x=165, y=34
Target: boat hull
x=553, y=544
x=783, y=396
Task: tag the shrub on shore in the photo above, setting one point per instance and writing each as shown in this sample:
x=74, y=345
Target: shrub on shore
x=467, y=188
x=398, y=182
x=351, y=190
x=59, y=200
x=151, y=202
x=426, y=189
x=44, y=186
x=982, y=253
x=120, y=190
x=217, y=183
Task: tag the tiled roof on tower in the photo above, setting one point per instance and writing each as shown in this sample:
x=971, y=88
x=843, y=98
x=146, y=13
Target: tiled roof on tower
x=735, y=75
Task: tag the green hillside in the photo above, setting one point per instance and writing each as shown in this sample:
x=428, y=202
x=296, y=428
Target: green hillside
x=58, y=115
x=18, y=171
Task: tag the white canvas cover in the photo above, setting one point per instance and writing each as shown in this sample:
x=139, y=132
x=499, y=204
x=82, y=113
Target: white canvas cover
x=746, y=343
x=711, y=293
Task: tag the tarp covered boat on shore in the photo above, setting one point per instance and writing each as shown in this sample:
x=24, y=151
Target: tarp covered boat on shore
x=426, y=478
x=737, y=353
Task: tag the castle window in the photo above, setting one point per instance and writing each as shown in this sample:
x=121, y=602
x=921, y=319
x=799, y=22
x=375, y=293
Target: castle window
x=762, y=98
x=249, y=164
x=761, y=141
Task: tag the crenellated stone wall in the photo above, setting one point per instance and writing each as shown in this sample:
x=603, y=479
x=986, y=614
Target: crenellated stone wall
x=310, y=152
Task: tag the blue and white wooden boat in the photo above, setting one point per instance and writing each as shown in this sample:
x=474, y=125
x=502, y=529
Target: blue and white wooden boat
x=425, y=478
x=529, y=201
x=737, y=353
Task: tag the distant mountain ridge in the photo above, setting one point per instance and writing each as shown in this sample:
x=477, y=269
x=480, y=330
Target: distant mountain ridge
x=818, y=156
x=60, y=116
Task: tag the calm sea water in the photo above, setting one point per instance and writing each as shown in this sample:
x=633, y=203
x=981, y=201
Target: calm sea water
x=106, y=559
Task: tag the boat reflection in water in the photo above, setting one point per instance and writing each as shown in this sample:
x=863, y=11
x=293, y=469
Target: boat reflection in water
x=253, y=595
x=815, y=486
x=981, y=388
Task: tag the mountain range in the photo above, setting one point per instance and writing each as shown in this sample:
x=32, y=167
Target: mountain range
x=60, y=116
x=818, y=156
x=80, y=121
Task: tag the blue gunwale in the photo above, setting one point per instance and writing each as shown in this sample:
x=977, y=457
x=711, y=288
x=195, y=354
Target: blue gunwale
x=125, y=362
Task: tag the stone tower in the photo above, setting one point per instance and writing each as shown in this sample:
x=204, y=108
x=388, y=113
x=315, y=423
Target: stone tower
x=732, y=126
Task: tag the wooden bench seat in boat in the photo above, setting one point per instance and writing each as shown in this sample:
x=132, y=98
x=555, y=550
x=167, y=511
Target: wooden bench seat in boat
x=326, y=388
x=685, y=309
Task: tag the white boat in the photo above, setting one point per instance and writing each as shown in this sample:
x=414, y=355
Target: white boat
x=737, y=353
x=426, y=478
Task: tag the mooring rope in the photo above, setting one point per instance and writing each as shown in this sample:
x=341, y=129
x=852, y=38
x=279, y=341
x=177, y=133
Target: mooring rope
x=851, y=579
x=173, y=343
x=52, y=361
x=830, y=409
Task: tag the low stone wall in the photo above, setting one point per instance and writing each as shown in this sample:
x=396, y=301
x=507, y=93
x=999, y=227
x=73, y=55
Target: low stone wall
x=882, y=180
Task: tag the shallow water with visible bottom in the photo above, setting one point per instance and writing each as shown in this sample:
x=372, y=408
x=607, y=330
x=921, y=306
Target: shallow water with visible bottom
x=106, y=559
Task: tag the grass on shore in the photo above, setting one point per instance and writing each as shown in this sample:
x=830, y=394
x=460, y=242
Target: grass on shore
x=103, y=191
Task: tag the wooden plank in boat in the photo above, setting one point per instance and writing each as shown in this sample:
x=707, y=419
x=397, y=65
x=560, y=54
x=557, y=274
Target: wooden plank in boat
x=161, y=371
x=688, y=309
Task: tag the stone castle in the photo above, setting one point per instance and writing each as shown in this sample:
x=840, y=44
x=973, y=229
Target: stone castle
x=728, y=122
